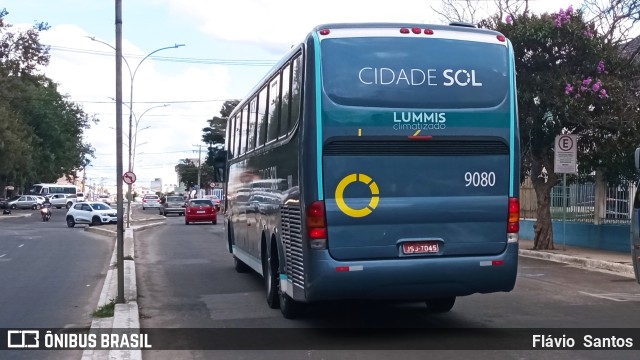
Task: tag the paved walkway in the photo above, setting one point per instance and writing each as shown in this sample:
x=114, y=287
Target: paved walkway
x=618, y=262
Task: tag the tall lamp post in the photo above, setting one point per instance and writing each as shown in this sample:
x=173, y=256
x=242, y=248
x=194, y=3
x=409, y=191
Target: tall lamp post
x=132, y=76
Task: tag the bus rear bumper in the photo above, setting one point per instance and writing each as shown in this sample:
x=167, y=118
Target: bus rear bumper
x=409, y=279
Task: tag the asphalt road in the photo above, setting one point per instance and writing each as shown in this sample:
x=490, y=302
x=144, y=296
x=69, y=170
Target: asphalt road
x=50, y=276
x=186, y=280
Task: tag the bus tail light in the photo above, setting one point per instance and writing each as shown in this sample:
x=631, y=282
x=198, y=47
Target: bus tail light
x=513, y=222
x=317, y=225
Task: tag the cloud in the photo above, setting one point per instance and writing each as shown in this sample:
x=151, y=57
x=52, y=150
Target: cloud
x=276, y=25
x=89, y=79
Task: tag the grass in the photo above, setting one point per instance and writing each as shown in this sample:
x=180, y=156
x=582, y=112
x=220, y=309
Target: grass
x=105, y=310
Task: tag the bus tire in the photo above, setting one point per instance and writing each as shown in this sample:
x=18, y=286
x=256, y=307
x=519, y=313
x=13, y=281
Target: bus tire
x=271, y=275
x=440, y=305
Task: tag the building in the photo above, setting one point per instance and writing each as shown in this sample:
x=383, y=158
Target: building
x=156, y=185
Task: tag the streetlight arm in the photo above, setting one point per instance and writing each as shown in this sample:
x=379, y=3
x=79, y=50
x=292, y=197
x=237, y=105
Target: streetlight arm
x=153, y=52
x=93, y=38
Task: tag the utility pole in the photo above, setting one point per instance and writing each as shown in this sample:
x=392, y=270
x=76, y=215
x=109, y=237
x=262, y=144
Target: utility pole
x=119, y=172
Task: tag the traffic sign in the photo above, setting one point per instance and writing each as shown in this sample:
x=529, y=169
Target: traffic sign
x=129, y=177
x=566, y=154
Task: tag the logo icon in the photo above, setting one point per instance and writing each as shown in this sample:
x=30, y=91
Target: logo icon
x=342, y=205
x=23, y=339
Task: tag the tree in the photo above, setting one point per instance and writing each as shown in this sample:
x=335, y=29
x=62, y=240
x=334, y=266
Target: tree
x=570, y=80
x=188, y=173
x=214, y=134
x=42, y=130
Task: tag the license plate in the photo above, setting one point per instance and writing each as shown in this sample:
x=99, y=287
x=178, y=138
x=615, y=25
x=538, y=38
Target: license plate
x=423, y=247
x=200, y=212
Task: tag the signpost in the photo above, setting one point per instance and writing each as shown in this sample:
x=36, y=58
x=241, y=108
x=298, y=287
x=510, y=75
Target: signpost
x=129, y=177
x=565, y=162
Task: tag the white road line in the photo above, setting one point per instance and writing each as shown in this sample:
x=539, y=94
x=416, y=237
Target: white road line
x=615, y=296
x=3, y=255
x=21, y=245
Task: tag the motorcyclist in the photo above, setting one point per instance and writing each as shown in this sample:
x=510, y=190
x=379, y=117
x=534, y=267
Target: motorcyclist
x=46, y=203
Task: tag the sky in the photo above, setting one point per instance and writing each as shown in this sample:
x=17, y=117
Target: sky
x=228, y=47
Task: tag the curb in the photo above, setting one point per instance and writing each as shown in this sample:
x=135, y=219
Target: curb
x=601, y=265
x=125, y=316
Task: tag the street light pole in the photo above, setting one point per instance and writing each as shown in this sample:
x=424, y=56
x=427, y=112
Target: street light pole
x=132, y=76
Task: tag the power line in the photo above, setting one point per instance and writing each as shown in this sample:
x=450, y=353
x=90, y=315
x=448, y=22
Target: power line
x=232, y=62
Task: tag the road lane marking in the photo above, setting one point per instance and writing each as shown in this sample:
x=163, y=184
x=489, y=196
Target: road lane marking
x=21, y=245
x=615, y=296
x=3, y=255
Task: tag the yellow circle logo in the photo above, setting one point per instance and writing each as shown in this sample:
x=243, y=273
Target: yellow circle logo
x=342, y=205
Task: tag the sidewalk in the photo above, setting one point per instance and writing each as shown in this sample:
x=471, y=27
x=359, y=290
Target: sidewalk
x=126, y=316
x=603, y=260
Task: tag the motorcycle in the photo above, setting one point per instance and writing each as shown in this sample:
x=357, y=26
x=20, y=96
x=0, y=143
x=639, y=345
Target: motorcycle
x=46, y=214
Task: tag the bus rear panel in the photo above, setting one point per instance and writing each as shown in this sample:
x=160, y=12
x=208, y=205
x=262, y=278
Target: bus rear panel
x=416, y=165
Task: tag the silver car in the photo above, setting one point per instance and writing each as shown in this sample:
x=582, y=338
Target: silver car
x=22, y=202
x=173, y=204
x=151, y=201
x=63, y=200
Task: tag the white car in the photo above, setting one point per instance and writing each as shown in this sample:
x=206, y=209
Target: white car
x=151, y=201
x=92, y=213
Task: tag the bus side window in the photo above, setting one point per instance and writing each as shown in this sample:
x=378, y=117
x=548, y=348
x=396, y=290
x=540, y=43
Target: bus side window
x=253, y=123
x=262, y=117
x=286, y=101
x=296, y=91
x=274, y=108
x=242, y=118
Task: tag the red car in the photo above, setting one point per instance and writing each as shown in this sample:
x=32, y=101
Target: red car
x=200, y=210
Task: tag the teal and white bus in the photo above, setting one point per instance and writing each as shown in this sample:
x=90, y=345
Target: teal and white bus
x=378, y=161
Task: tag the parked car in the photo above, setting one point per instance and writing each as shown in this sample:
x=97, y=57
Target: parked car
x=21, y=202
x=80, y=196
x=92, y=213
x=60, y=200
x=200, y=210
x=151, y=201
x=173, y=204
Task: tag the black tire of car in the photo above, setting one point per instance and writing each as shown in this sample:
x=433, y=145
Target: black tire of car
x=440, y=305
x=186, y=222
x=70, y=222
x=34, y=207
x=215, y=221
x=95, y=221
x=68, y=206
x=13, y=207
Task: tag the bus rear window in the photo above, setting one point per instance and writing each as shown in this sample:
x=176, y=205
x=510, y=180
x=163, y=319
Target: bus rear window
x=399, y=72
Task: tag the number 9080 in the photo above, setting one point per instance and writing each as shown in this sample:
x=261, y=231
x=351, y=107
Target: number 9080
x=480, y=179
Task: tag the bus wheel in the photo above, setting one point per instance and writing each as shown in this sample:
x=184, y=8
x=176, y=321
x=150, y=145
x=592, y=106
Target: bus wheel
x=441, y=305
x=271, y=276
